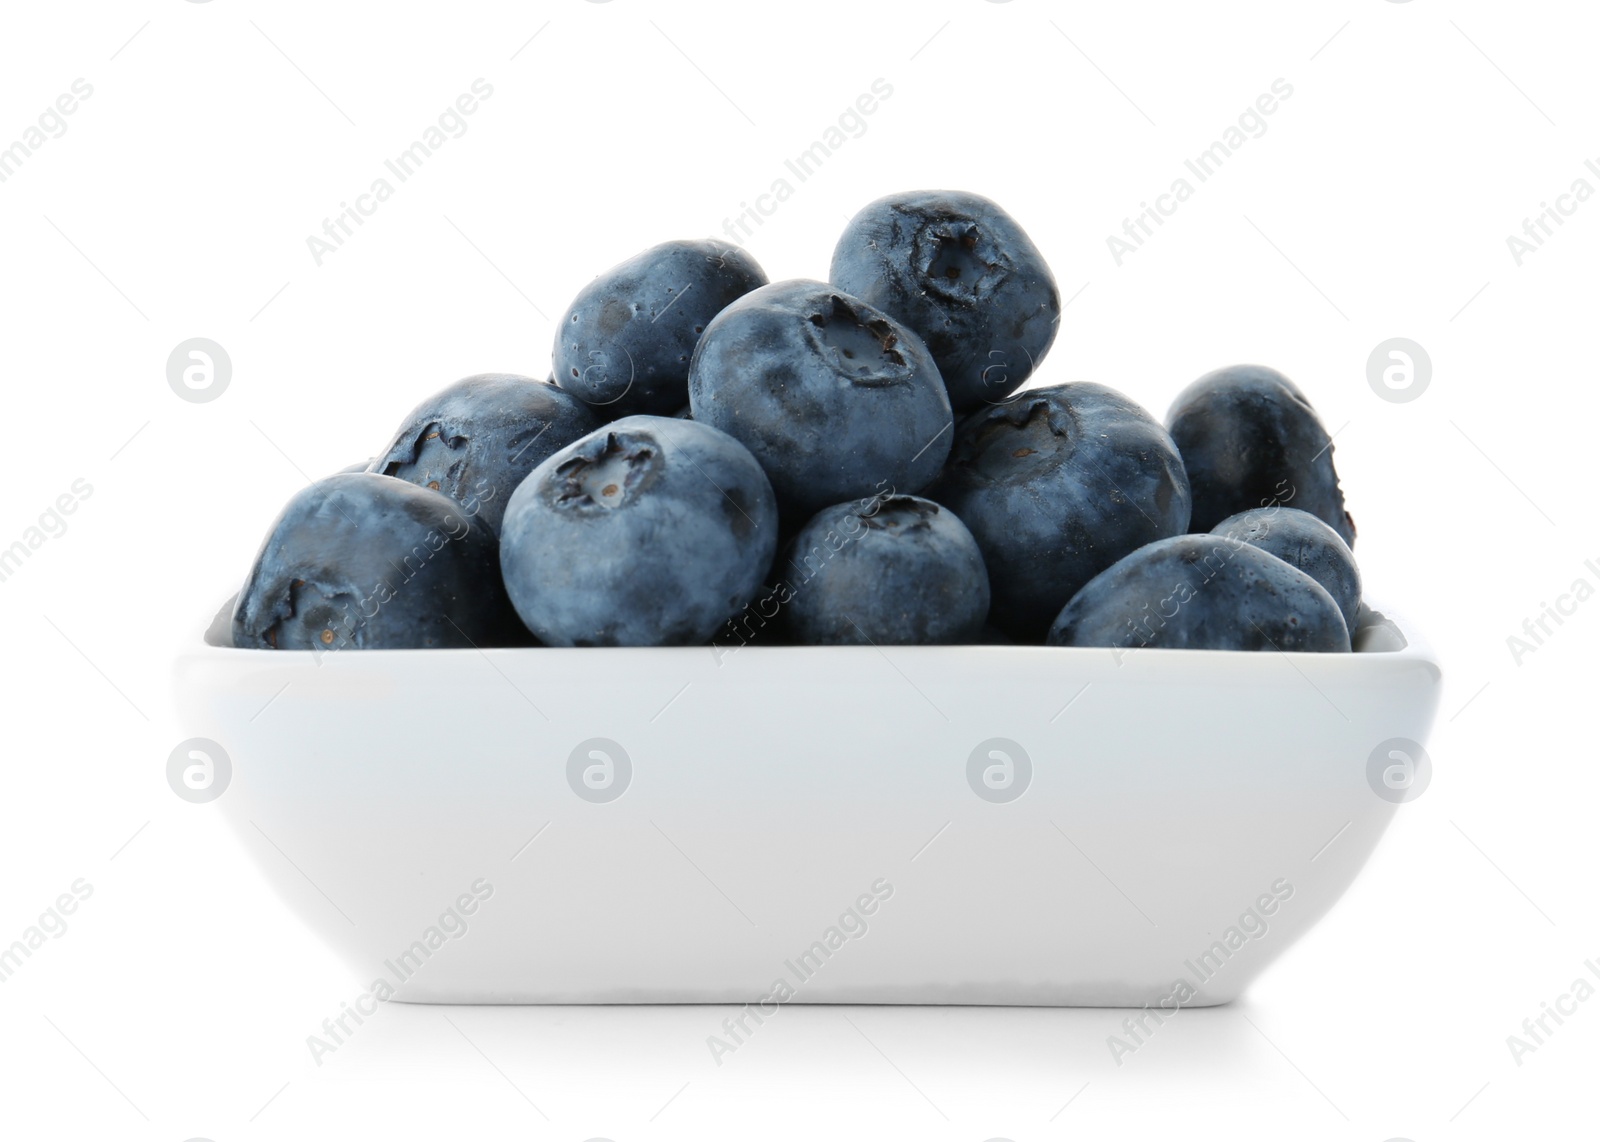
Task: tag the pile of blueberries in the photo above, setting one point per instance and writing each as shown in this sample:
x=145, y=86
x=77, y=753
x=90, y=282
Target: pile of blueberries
x=720, y=461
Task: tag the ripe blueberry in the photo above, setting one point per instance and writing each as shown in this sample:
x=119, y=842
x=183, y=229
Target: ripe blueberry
x=1250, y=439
x=625, y=342
x=650, y=531
x=1202, y=592
x=477, y=439
x=960, y=272
x=366, y=561
x=1056, y=485
x=895, y=570
x=835, y=399
x=1302, y=540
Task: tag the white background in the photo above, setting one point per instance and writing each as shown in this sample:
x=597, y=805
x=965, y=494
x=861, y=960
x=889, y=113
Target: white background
x=1377, y=204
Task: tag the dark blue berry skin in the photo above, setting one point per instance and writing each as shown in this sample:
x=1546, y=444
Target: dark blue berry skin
x=962, y=274
x=1056, y=485
x=651, y=531
x=1302, y=540
x=479, y=438
x=1250, y=439
x=836, y=400
x=364, y=561
x=1202, y=592
x=891, y=571
x=625, y=343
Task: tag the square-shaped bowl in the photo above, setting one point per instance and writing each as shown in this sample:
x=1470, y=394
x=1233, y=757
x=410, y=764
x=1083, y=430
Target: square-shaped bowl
x=972, y=824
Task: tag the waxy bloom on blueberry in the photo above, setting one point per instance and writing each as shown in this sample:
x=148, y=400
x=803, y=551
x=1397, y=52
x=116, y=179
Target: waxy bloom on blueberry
x=367, y=561
x=1250, y=439
x=477, y=439
x=1202, y=592
x=892, y=570
x=960, y=272
x=625, y=342
x=835, y=399
x=1057, y=484
x=1302, y=540
x=651, y=531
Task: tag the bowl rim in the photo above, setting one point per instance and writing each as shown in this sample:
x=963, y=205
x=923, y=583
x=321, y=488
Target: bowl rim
x=1382, y=634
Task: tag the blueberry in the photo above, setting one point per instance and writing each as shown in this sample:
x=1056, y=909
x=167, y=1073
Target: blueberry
x=962, y=274
x=760, y=622
x=1250, y=439
x=477, y=439
x=650, y=531
x=836, y=400
x=1302, y=540
x=1202, y=592
x=1057, y=484
x=365, y=561
x=894, y=570
x=625, y=342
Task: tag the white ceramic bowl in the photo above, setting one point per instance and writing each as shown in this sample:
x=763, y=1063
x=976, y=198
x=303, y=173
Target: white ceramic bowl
x=809, y=815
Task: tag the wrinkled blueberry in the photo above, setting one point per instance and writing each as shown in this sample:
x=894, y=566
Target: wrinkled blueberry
x=1250, y=439
x=835, y=399
x=962, y=274
x=1056, y=485
x=361, y=560
x=895, y=570
x=479, y=438
x=650, y=531
x=1302, y=540
x=625, y=342
x=1202, y=592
